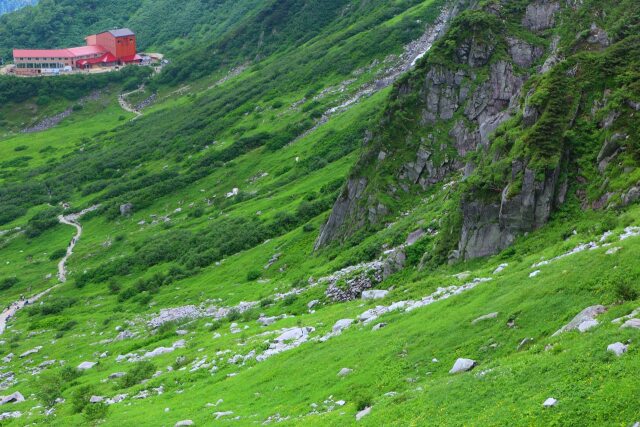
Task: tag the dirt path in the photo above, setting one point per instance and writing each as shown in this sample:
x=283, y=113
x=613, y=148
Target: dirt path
x=122, y=99
x=71, y=220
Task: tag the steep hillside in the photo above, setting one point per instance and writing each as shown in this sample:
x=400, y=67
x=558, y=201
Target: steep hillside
x=326, y=213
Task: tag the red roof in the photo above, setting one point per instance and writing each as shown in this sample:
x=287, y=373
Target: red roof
x=104, y=59
x=87, y=50
x=42, y=53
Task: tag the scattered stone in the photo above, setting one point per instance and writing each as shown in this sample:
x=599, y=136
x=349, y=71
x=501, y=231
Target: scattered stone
x=185, y=423
x=584, y=320
x=485, y=317
x=463, y=365
x=96, y=399
x=312, y=304
x=8, y=358
x=344, y=372
x=86, y=365
x=366, y=411
x=181, y=332
x=617, y=348
x=550, y=402
x=535, y=273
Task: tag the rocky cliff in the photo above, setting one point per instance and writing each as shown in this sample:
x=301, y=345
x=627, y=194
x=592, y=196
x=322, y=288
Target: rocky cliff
x=500, y=105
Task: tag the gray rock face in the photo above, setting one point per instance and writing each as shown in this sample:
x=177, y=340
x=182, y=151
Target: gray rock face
x=343, y=208
x=540, y=15
x=523, y=53
x=463, y=365
x=488, y=228
x=597, y=36
x=584, y=320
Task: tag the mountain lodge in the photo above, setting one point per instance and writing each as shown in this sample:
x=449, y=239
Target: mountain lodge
x=104, y=50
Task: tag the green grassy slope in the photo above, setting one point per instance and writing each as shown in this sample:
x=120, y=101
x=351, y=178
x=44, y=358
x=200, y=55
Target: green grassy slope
x=190, y=240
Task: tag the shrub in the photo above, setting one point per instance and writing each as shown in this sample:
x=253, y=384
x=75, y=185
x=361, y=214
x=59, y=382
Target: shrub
x=140, y=371
x=253, y=275
x=8, y=283
x=57, y=254
x=80, y=397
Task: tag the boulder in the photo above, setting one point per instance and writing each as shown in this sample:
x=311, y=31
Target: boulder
x=549, y=402
x=126, y=209
x=184, y=423
x=374, y=294
x=86, y=365
x=584, y=320
x=341, y=325
x=463, y=365
x=16, y=397
x=617, y=348
x=117, y=375
x=96, y=399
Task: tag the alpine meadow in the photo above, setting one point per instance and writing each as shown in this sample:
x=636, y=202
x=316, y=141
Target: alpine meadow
x=320, y=213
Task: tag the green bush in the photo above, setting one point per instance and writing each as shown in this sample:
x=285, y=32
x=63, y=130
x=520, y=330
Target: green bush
x=253, y=275
x=57, y=254
x=140, y=371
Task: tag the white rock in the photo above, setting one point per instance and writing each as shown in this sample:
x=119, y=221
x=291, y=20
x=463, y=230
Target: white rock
x=500, y=268
x=378, y=326
x=535, y=273
x=550, y=402
x=613, y=250
x=184, y=423
x=117, y=375
x=588, y=324
x=30, y=352
x=584, y=320
x=366, y=411
x=374, y=294
x=312, y=304
x=617, y=348
x=16, y=397
x=96, y=399
x=632, y=323
x=7, y=415
x=341, y=325
x=219, y=415
x=462, y=365
x=344, y=372
x=86, y=365
x=485, y=317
